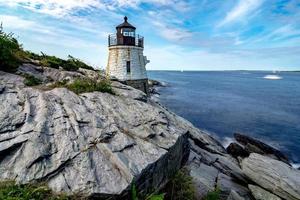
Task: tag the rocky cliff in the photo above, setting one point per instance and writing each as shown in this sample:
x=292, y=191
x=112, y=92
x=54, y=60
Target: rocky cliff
x=97, y=144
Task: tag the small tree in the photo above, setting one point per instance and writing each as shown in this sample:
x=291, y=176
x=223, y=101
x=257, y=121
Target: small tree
x=10, y=51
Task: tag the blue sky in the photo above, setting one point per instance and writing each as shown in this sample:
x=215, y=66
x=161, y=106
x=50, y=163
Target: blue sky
x=188, y=35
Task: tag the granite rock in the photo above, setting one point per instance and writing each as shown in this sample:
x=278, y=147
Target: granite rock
x=261, y=194
x=275, y=176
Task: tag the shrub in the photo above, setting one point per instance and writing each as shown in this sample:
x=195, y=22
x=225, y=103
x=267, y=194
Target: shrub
x=180, y=187
x=10, y=52
x=76, y=62
x=86, y=85
x=33, y=56
x=31, y=80
x=11, y=191
x=51, y=61
x=12, y=55
x=213, y=195
x=71, y=64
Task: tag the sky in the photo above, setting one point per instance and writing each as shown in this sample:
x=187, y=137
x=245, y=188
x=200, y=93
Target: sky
x=179, y=34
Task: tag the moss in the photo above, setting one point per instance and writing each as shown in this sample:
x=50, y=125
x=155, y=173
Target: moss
x=86, y=85
x=31, y=80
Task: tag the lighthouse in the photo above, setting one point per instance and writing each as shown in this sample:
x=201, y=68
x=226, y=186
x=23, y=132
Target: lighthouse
x=126, y=61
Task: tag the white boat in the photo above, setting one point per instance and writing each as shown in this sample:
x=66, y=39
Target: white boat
x=272, y=77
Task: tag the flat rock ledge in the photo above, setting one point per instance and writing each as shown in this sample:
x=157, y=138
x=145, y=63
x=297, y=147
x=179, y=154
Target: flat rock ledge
x=274, y=176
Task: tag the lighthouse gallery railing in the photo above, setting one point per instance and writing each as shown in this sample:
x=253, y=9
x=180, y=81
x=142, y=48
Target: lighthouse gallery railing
x=137, y=41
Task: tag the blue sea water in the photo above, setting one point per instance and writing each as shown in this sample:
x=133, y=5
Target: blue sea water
x=226, y=102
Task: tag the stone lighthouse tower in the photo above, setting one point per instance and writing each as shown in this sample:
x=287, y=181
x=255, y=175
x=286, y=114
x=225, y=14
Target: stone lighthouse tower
x=126, y=61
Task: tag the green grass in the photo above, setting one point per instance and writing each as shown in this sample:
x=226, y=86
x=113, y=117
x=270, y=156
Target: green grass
x=31, y=80
x=180, y=187
x=213, y=195
x=11, y=191
x=86, y=85
x=71, y=64
x=134, y=194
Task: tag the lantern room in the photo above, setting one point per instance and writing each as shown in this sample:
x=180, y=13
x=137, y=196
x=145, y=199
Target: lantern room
x=125, y=35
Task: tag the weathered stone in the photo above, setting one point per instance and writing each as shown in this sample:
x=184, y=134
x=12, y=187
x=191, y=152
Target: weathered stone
x=234, y=196
x=227, y=184
x=237, y=150
x=273, y=175
x=47, y=74
x=255, y=146
x=223, y=162
x=261, y=194
x=204, y=178
x=94, y=143
x=118, y=57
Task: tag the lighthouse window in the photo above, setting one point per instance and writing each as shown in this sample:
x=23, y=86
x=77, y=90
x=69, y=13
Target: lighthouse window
x=128, y=32
x=128, y=67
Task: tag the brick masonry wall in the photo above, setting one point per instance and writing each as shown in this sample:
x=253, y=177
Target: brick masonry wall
x=119, y=55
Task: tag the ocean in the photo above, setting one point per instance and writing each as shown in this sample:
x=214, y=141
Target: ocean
x=261, y=104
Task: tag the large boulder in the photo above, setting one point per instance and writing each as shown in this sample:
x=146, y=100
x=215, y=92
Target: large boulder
x=93, y=143
x=255, y=146
x=237, y=150
x=227, y=185
x=261, y=194
x=273, y=175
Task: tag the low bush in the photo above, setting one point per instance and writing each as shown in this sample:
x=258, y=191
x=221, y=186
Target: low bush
x=11, y=191
x=180, y=187
x=31, y=80
x=12, y=55
x=213, y=195
x=71, y=64
x=86, y=85
x=33, y=56
x=10, y=52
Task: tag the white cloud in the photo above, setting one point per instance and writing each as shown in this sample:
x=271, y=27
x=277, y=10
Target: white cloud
x=54, y=7
x=172, y=33
x=284, y=32
x=242, y=9
x=61, y=8
x=10, y=21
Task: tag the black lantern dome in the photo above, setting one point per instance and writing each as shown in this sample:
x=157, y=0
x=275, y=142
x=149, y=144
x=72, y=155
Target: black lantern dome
x=125, y=24
x=125, y=36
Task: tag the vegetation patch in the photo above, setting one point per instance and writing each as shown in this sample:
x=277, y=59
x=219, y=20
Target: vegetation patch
x=11, y=52
x=71, y=64
x=11, y=191
x=12, y=55
x=180, y=187
x=86, y=85
x=134, y=195
x=213, y=195
x=31, y=80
